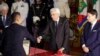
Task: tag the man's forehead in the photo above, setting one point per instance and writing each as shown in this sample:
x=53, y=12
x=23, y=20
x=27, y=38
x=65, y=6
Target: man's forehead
x=54, y=12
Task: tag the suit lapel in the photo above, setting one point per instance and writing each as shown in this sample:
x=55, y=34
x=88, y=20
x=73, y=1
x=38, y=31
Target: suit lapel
x=95, y=26
x=53, y=27
x=88, y=31
x=1, y=20
x=91, y=34
x=59, y=24
x=7, y=19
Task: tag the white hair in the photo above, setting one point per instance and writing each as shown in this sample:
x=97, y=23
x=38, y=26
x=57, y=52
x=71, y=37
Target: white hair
x=5, y=6
x=55, y=10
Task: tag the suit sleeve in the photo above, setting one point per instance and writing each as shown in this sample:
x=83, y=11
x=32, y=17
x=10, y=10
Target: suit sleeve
x=66, y=35
x=96, y=42
x=46, y=33
x=82, y=39
x=29, y=36
x=86, y=27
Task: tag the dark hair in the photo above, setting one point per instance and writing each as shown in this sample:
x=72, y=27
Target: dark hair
x=13, y=16
x=93, y=12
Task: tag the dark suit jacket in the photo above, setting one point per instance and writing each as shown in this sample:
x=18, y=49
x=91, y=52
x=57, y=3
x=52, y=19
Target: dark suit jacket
x=92, y=39
x=8, y=22
x=58, y=38
x=13, y=40
x=2, y=26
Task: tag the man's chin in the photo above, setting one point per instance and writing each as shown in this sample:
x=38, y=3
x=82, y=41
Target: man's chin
x=88, y=21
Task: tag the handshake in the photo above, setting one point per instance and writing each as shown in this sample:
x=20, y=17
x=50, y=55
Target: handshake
x=60, y=51
x=39, y=39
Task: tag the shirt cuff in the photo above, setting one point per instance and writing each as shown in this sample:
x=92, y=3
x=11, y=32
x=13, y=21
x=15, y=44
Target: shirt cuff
x=83, y=45
x=63, y=48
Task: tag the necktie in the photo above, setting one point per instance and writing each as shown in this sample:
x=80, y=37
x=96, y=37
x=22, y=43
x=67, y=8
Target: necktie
x=56, y=25
x=4, y=20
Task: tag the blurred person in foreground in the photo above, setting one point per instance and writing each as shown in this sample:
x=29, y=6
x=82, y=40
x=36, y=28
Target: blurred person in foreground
x=13, y=37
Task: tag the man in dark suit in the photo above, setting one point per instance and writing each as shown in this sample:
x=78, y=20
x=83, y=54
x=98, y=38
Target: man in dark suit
x=57, y=32
x=13, y=37
x=5, y=20
x=91, y=35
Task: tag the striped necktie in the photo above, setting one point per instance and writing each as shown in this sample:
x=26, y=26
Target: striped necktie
x=4, y=20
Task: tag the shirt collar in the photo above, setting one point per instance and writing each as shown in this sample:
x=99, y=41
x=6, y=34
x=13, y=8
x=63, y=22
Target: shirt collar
x=93, y=23
x=57, y=20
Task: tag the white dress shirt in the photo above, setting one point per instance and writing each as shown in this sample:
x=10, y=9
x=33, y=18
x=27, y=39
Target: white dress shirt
x=93, y=24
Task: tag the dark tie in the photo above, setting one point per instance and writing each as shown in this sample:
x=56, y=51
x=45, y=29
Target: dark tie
x=91, y=27
x=4, y=20
x=56, y=26
x=56, y=23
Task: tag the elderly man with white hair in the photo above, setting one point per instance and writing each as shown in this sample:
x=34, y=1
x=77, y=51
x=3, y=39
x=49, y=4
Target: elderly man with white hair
x=57, y=32
x=5, y=20
x=2, y=3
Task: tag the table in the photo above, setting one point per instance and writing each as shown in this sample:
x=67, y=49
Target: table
x=41, y=52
